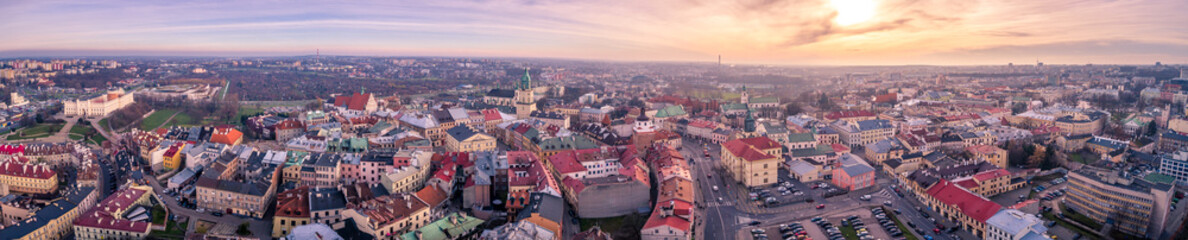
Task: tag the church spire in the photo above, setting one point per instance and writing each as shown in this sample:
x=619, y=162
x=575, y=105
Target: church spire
x=526, y=80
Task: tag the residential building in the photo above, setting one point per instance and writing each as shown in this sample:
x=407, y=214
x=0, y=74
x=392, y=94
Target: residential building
x=547, y=211
x=861, y=133
x=292, y=210
x=326, y=206
x=671, y=220
x=126, y=214
x=56, y=219
x=961, y=206
x=390, y=215
x=409, y=172
x=989, y=153
x=463, y=138
x=19, y=176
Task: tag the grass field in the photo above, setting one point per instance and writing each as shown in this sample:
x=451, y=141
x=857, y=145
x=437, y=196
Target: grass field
x=907, y=233
x=103, y=123
x=39, y=131
x=156, y=119
x=848, y=232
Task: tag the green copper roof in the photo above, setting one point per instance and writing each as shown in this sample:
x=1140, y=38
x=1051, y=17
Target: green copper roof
x=452, y=226
x=765, y=100
x=801, y=137
x=733, y=106
x=526, y=80
x=670, y=111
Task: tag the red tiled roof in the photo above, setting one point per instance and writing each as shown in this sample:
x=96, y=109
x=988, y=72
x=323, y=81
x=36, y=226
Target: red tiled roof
x=102, y=216
x=12, y=149
x=573, y=184
x=491, y=114
x=702, y=124
x=839, y=148
x=293, y=203
x=289, y=124
x=226, y=136
x=566, y=162
x=762, y=143
x=970, y=204
x=673, y=221
x=15, y=169
x=968, y=183
x=431, y=195
x=353, y=102
x=745, y=151
x=985, y=176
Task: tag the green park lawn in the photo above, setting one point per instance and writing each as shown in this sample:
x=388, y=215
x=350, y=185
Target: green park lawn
x=38, y=131
x=156, y=119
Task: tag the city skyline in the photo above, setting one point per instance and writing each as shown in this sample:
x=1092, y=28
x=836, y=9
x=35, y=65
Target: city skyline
x=824, y=32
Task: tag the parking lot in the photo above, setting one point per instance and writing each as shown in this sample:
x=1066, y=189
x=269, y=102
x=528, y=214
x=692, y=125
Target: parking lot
x=789, y=191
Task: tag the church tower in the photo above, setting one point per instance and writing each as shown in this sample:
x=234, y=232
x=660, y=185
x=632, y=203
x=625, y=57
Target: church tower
x=745, y=98
x=525, y=99
x=644, y=131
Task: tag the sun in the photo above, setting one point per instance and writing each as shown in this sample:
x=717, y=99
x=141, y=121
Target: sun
x=850, y=12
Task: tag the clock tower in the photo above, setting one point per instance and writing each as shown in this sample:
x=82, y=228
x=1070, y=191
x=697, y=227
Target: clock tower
x=525, y=99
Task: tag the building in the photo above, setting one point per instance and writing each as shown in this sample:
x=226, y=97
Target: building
x=228, y=136
x=546, y=211
x=98, y=106
x=292, y=210
x=804, y=169
x=314, y=231
x=125, y=214
x=1011, y=224
x=409, y=172
x=1175, y=165
x=671, y=220
x=959, y=205
x=752, y=161
x=852, y=173
x=1133, y=205
x=861, y=133
x=244, y=188
x=552, y=118
x=358, y=103
x=525, y=97
x=18, y=176
x=326, y=206
x=521, y=230
x=989, y=153
x=390, y=215
x=453, y=226
x=462, y=138
x=587, y=176
x=55, y=220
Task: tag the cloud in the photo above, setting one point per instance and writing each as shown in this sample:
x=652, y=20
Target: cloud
x=753, y=31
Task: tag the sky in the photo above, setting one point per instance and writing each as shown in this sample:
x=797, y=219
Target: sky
x=808, y=32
